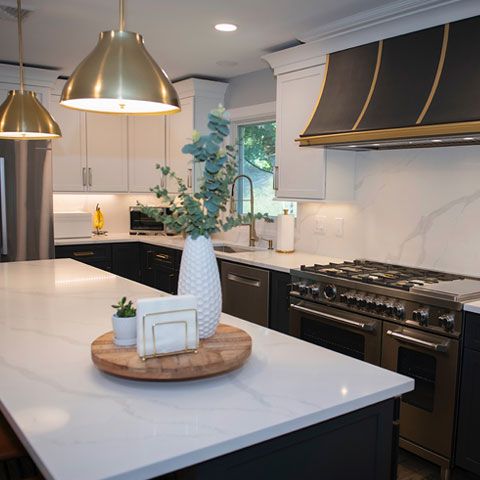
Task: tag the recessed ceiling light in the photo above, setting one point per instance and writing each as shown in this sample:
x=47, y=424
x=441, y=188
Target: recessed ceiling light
x=225, y=27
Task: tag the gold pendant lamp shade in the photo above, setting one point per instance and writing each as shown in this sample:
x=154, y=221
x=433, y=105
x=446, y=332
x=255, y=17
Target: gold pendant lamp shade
x=120, y=76
x=22, y=116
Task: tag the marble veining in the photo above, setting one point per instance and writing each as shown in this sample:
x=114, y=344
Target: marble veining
x=79, y=423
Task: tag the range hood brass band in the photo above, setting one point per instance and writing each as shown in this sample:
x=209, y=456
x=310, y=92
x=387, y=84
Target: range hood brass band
x=372, y=86
x=442, y=130
x=438, y=74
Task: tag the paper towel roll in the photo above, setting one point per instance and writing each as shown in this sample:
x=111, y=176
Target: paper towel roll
x=285, y=233
x=173, y=319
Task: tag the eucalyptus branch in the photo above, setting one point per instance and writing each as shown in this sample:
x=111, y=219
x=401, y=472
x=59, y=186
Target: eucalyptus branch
x=200, y=213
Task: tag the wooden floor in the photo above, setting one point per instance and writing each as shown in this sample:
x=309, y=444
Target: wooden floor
x=411, y=467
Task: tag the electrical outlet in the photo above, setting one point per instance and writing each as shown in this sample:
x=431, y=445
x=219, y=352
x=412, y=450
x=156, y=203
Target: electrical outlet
x=339, y=227
x=321, y=225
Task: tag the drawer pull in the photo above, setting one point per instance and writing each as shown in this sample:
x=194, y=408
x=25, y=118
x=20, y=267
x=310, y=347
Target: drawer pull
x=162, y=256
x=84, y=254
x=251, y=282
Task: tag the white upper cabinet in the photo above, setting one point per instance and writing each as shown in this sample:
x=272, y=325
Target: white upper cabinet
x=305, y=173
x=300, y=172
x=107, y=158
x=69, y=152
x=179, y=132
x=146, y=149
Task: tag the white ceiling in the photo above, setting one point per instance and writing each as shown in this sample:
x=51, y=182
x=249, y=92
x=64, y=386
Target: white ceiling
x=179, y=34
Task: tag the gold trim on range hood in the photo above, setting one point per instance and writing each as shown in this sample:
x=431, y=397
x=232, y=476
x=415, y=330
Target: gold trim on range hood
x=414, y=135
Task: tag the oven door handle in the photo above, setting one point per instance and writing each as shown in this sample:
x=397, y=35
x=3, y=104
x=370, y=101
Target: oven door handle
x=437, y=347
x=351, y=323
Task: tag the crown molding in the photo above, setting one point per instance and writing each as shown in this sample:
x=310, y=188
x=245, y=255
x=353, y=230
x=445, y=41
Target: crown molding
x=372, y=17
x=397, y=18
x=192, y=87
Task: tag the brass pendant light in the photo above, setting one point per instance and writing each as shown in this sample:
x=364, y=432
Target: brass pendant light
x=119, y=76
x=22, y=116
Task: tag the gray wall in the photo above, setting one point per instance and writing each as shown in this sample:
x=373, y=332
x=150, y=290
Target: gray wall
x=251, y=89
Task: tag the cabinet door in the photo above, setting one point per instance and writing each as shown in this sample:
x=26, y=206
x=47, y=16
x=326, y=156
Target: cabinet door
x=300, y=172
x=179, y=132
x=126, y=260
x=107, y=152
x=468, y=446
x=68, y=153
x=146, y=149
x=280, y=301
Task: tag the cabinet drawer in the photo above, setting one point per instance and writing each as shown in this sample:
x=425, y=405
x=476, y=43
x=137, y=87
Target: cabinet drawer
x=160, y=257
x=472, y=331
x=85, y=253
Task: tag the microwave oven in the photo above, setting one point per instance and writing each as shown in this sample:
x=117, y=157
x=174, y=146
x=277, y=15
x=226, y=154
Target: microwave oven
x=141, y=224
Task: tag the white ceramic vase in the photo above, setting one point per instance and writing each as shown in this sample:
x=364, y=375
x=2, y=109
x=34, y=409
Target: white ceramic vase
x=199, y=276
x=124, y=331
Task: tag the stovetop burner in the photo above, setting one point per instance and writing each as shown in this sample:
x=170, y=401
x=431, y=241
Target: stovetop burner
x=378, y=273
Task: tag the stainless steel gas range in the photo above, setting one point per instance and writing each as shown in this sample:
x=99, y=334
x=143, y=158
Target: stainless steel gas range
x=404, y=319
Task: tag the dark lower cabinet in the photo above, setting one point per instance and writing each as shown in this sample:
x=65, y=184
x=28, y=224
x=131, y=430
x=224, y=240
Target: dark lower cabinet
x=96, y=255
x=126, y=260
x=160, y=267
x=360, y=445
x=468, y=433
x=279, y=301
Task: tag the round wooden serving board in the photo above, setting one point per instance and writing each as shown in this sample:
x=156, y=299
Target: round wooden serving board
x=225, y=351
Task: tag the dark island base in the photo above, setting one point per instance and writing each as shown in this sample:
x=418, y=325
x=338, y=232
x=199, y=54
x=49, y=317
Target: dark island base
x=362, y=445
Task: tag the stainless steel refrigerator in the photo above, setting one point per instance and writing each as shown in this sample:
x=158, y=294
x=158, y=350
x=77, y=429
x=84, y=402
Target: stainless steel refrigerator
x=26, y=200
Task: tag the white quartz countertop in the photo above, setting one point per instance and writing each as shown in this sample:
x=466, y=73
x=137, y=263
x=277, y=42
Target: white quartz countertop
x=78, y=423
x=263, y=258
x=473, y=306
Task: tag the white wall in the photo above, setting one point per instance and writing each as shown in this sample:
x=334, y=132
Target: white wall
x=416, y=207
x=251, y=89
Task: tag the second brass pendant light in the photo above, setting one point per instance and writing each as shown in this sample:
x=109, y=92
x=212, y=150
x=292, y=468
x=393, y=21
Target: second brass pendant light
x=120, y=76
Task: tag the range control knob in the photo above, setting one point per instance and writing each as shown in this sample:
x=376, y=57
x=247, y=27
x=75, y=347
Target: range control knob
x=389, y=308
x=314, y=290
x=399, y=311
x=343, y=297
x=330, y=292
x=420, y=315
x=380, y=305
x=370, y=303
x=351, y=298
x=362, y=302
x=447, y=321
x=302, y=288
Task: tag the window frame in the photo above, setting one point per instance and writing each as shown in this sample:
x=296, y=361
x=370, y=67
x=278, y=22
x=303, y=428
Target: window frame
x=234, y=138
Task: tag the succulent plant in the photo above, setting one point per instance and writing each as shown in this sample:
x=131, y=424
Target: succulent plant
x=125, y=309
x=202, y=213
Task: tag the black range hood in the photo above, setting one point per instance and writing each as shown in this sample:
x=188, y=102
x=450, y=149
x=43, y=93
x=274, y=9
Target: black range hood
x=416, y=90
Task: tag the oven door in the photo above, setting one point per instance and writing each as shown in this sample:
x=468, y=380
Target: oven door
x=427, y=413
x=354, y=335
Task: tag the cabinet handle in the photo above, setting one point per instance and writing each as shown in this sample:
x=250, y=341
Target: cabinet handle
x=84, y=176
x=275, y=178
x=189, y=178
x=90, y=177
x=162, y=256
x=251, y=282
x=83, y=254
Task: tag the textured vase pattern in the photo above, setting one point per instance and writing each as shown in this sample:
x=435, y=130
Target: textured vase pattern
x=199, y=276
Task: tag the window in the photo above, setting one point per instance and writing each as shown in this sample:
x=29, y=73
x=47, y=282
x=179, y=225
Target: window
x=256, y=159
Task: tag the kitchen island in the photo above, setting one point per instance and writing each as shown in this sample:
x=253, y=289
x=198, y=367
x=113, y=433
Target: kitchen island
x=292, y=411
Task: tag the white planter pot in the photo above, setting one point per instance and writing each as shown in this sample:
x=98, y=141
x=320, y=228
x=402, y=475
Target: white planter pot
x=199, y=276
x=124, y=330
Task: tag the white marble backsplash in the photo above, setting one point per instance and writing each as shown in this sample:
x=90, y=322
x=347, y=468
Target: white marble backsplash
x=416, y=207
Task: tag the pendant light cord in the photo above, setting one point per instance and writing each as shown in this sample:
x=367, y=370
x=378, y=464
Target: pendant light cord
x=20, y=42
x=122, y=15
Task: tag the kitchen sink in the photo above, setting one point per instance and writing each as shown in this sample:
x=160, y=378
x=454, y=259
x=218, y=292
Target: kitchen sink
x=230, y=249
